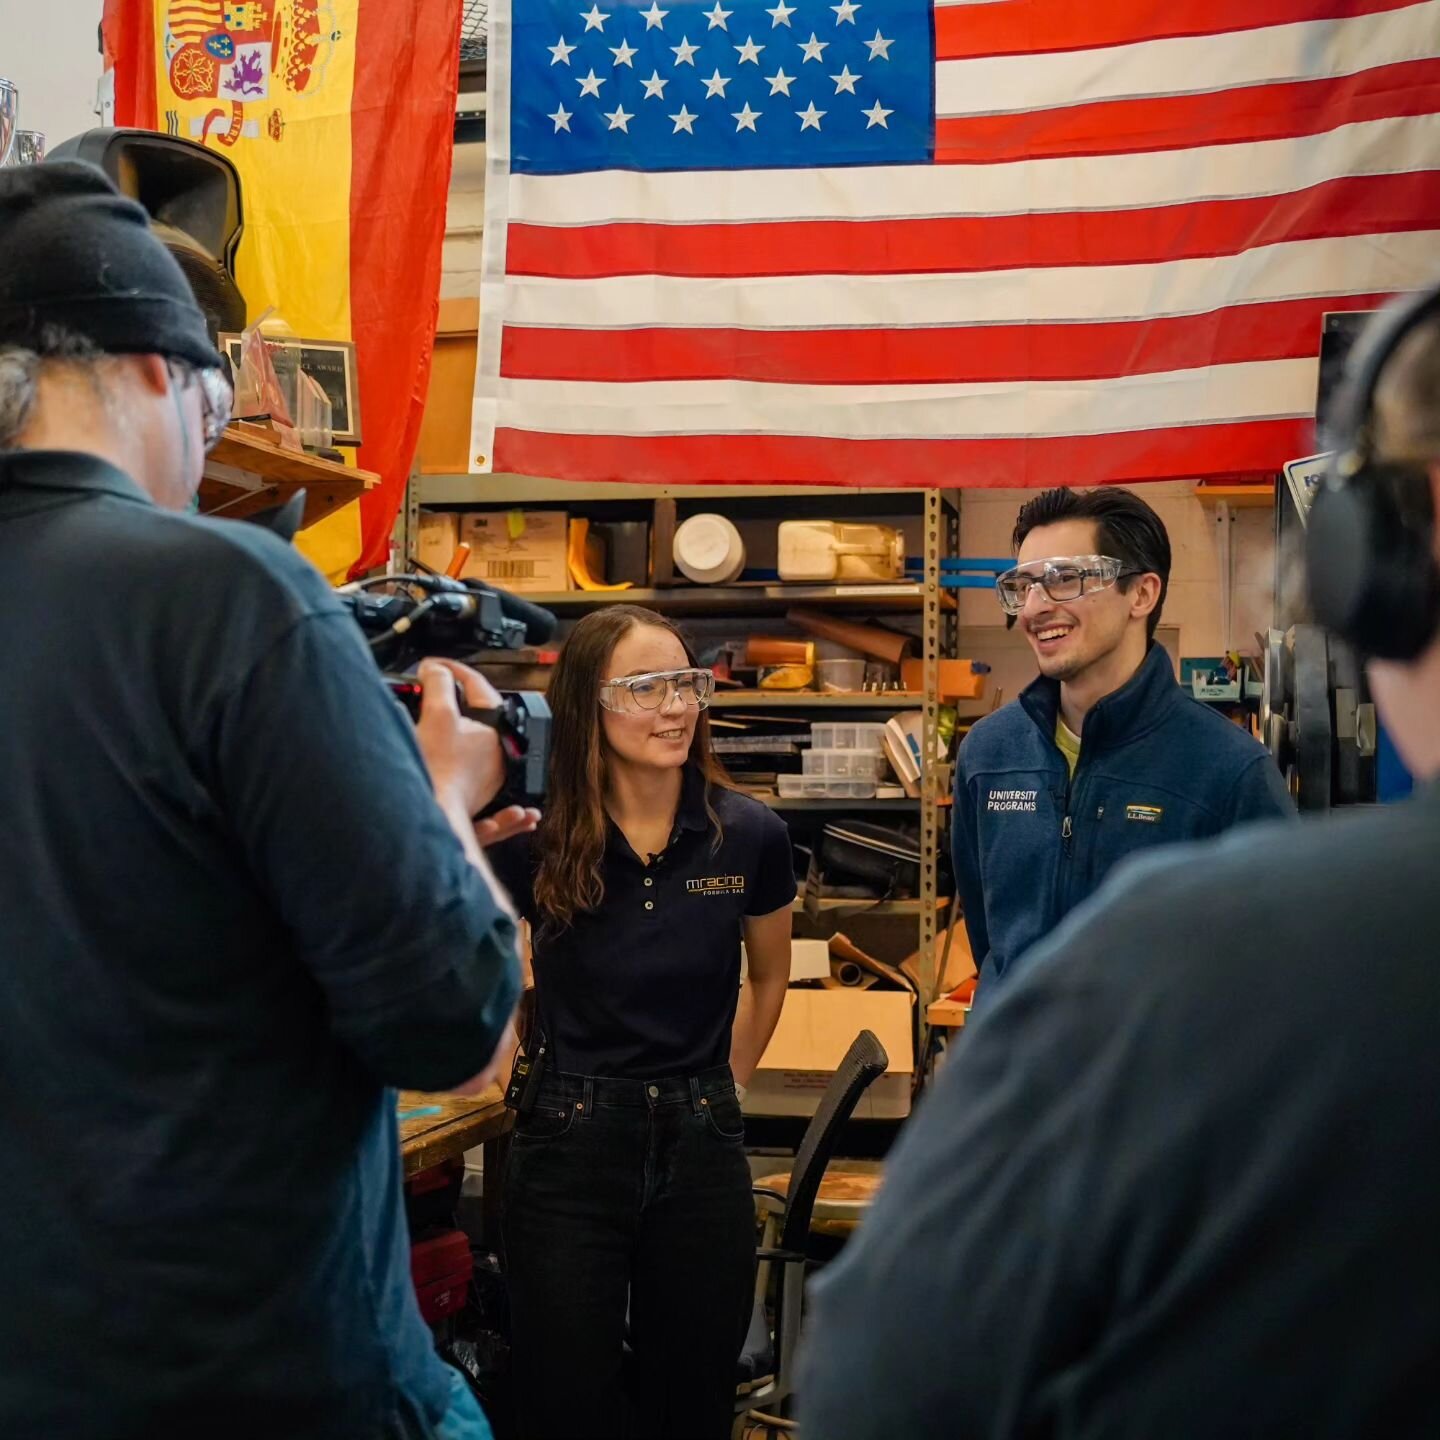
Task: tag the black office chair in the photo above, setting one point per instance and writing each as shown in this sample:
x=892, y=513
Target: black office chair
x=767, y=1363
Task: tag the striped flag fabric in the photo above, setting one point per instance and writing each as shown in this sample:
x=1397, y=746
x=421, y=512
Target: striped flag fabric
x=922, y=242
x=339, y=116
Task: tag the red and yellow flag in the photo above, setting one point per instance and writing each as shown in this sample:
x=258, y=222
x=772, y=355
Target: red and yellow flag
x=339, y=115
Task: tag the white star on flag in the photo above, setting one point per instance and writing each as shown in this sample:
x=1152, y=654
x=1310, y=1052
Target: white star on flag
x=780, y=82
x=590, y=85
x=683, y=121
x=561, y=118
x=810, y=117
x=715, y=85
x=877, y=116
x=814, y=49
x=560, y=54
x=684, y=51
x=594, y=19
x=622, y=54
x=654, y=86
x=654, y=17
x=618, y=119
x=879, y=47
x=844, y=11
x=780, y=15
x=845, y=81
x=717, y=16
x=749, y=51
x=745, y=119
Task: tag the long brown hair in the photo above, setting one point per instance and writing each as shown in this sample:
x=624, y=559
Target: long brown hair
x=571, y=838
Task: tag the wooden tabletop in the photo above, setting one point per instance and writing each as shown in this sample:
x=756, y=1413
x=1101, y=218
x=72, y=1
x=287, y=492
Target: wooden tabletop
x=248, y=471
x=436, y=1128
x=947, y=1014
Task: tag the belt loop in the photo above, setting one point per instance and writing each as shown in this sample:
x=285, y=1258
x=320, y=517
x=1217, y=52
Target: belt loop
x=589, y=1099
x=694, y=1094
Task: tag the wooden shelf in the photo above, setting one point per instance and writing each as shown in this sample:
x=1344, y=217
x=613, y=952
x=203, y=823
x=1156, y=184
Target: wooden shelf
x=441, y=491
x=814, y=700
x=246, y=473
x=1242, y=497
x=738, y=599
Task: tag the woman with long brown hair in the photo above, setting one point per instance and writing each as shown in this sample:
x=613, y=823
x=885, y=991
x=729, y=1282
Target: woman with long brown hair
x=628, y=1217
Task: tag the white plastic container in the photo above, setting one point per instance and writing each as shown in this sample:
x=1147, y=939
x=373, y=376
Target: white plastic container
x=848, y=737
x=845, y=764
x=821, y=550
x=708, y=549
x=824, y=787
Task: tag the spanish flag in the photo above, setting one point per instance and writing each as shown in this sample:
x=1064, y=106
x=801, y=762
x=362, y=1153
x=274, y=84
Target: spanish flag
x=339, y=115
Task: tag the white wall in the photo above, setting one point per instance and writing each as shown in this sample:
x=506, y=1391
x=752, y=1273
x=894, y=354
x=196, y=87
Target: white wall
x=460, y=274
x=51, y=50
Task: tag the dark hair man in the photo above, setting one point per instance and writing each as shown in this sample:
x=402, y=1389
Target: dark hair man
x=1183, y=1179
x=237, y=901
x=1103, y=754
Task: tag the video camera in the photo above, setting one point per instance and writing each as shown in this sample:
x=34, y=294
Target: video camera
x=407, y=617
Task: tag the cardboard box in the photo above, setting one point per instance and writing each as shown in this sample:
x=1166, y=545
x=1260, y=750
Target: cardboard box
x=438, y=538
x=809, y=960
x=816, y=1028
x=520, y=550
x=959, y=679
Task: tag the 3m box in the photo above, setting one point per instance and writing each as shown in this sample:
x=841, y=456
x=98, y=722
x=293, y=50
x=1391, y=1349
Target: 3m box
x=438, y=537
x=520, y=550
x=816, y=1028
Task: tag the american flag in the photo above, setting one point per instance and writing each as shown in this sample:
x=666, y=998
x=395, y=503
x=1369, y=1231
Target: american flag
x=993, y=242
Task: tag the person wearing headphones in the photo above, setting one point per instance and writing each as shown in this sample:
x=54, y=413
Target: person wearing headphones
x=629, y=1221
x=1184, y=1180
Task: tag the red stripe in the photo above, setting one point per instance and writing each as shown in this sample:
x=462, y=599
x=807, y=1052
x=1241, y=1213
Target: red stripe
x=923, y=355
x=1257, y=446
x=128, y=37
x=1184, y=122
x=1038, y=27
x=405, y=85
x=1352, y=205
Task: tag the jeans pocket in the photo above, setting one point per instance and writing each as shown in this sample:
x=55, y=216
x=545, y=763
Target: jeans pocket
x=547, y=1121
x=723, y=1115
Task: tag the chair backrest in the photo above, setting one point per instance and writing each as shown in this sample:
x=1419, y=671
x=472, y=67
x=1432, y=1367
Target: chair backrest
x=865, y=1061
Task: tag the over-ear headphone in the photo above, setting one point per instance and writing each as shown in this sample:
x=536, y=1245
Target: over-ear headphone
x=1369, y=543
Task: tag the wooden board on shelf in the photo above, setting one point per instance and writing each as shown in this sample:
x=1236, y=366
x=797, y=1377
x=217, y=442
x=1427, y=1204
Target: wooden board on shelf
x=735, y=599
x=813, y=699
x=1242, y=497
x=247, y=472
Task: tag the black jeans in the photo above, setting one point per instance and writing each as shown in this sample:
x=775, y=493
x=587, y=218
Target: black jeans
x=629, y=1196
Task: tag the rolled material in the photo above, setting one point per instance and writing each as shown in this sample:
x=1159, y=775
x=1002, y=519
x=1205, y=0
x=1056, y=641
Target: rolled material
x=870, y=640
x=774, y=650
x=847, y=972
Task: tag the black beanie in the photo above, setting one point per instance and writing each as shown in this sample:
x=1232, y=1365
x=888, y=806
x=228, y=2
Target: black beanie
x=76, y=253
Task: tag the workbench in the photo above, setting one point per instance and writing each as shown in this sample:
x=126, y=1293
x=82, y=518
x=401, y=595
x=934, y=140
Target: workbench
x=437, y=1128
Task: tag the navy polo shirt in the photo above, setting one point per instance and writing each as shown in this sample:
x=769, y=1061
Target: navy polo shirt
x=231, y=915
x=646, y=985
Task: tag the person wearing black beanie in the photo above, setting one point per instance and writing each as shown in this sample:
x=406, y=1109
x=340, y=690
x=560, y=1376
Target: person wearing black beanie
x=212, y=978
x=103, y=349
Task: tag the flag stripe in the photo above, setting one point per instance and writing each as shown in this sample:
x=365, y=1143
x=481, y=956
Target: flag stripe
x=1263, y=390
x=1363, y=264
x=1311, y=50
x=1033, y=187
x=1175, y=122
x=1239, y=448
x=976, y=354
x=1351, y=205
x=1017, y=27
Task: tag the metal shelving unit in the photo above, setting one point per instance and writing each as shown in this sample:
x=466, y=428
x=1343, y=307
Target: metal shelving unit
x=940, y=520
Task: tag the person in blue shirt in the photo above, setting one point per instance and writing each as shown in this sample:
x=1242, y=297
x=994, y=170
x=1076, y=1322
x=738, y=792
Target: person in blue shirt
x=1103, y=754
x=241, y=899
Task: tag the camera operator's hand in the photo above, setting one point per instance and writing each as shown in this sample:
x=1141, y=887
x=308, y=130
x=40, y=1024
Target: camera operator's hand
x=466, y=765
x=506, y=824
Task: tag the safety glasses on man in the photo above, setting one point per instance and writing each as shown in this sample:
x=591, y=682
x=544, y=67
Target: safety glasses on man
x=630, y=694
x=217, y=396
x=1067, y=577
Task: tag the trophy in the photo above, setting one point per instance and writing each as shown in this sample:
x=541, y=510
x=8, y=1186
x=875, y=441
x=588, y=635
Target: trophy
x=29, y=148
x=9, y=110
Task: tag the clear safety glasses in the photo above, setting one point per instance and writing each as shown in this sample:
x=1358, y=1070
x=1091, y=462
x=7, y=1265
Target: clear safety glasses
x=632, y=694
x=1067, y=577
x=217, y=397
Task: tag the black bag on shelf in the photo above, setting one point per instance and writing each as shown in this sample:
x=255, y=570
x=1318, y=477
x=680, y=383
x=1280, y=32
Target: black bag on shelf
x=884, y=858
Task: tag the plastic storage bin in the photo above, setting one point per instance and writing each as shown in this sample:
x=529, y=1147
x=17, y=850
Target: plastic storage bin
x=845, y=764
x=824, y=787
x=820, y=550
x=847, y=737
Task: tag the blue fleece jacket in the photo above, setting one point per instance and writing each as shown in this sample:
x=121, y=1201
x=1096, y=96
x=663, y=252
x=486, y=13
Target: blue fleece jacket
x=1030, y=843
